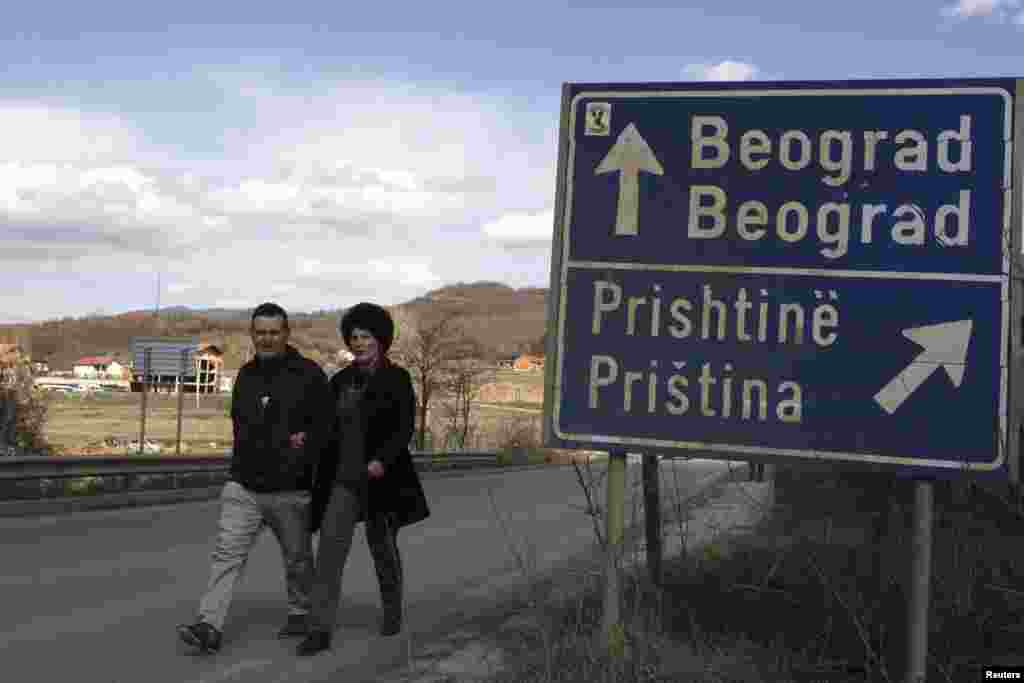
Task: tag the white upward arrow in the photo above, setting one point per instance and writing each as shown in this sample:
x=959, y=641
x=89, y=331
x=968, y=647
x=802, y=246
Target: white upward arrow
x=944, y=345
x=629, y=155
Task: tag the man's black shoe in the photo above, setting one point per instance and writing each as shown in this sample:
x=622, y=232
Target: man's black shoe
x=200, y=635
x=297, y=625
x=316, y=641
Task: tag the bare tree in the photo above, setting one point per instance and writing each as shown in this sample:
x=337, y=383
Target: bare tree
x=427, y=348
x=406, y=333
x=463, y=379
x=537, y=346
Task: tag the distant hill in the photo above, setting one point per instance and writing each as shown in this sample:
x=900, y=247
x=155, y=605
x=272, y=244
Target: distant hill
x=243, y=314
x=176, y=312
x=502, y=319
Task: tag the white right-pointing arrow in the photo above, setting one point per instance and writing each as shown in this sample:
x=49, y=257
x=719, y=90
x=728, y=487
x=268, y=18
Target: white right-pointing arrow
x=944, y=345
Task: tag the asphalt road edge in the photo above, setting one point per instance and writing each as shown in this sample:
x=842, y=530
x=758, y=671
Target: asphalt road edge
x=108, y=501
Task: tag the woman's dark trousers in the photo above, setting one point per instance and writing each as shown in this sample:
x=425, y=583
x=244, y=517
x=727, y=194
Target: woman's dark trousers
x=335, y=542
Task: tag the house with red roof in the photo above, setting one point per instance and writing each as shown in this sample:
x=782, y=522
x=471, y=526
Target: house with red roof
x=528, y=362
x=94, y=367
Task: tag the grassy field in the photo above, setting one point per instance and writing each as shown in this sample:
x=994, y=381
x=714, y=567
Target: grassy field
x=520, y=377
x=103, y=423
x=82, y=424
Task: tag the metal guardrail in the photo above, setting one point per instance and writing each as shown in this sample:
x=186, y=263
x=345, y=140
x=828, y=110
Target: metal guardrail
x=71, y=466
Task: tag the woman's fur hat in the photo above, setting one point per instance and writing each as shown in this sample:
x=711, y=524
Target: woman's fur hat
x=370, y=317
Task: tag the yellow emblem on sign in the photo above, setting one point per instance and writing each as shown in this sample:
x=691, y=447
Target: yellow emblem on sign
x=598, y=118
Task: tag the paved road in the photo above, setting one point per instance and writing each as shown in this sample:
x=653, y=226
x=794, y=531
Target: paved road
x=94, y=597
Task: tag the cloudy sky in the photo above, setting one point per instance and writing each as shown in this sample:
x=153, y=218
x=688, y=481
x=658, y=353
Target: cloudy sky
x=318, y=154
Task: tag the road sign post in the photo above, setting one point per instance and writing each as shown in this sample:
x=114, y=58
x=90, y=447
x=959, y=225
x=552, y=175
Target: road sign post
x=1017, y=273
x=162, y=356
x=798, y=271
x=652, y=517
x=801, y=272
x=615, y=512
x=181, y=398
x=920, y=583
x=146, y=366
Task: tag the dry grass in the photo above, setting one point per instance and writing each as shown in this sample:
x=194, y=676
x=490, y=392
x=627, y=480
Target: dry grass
x=557, y=637
x=81, y=424
x=795, y=600
x=533, y=378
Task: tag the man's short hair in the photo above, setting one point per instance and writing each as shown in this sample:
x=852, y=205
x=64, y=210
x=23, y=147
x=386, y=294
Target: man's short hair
x=269, y=310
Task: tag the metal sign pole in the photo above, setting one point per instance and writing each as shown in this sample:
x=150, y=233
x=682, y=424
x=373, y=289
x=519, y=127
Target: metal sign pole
x=920, y=583
x=652, y=517
x=614, y=518
x=1016, y=359
x=181, y=398
x=145, y=390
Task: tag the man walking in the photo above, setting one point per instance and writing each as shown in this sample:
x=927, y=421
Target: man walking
x=277, y=408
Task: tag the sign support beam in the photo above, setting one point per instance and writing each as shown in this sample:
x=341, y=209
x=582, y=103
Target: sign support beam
x=615, y=510
x=1016, y=354
x=717, y=281
x=920, y=583
x=181, y=398
x=652, y=517
x=145, y=390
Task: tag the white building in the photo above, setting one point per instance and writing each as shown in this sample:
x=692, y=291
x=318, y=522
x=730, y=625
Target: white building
x=94, y=367
x=227, y=382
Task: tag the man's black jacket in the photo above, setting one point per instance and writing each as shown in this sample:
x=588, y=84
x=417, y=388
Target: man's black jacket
x=273, y=399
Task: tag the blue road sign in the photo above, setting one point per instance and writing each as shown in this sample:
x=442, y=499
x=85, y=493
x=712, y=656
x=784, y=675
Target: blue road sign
x=168, y=356
x=815, y=270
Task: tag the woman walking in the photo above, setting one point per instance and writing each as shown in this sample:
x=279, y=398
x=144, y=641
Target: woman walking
x=365, y=473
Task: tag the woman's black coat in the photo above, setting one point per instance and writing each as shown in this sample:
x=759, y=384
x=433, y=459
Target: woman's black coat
x=388, y=415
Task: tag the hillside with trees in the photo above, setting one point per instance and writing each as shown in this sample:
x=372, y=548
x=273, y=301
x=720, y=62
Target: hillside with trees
x=500, y=319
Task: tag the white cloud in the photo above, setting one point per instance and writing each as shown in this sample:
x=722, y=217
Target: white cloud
x=32, y=132
x=522, y=227
x=361, y=190
x=723, y=71
x=279, y=288
x=372, y=271
x=113, y=176
x=965, y=9
x=406, y=273
x=106, y=204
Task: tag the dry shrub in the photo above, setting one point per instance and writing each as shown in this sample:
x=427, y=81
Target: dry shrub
x=519, y=432
x=501, y=432
x=23, y=412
